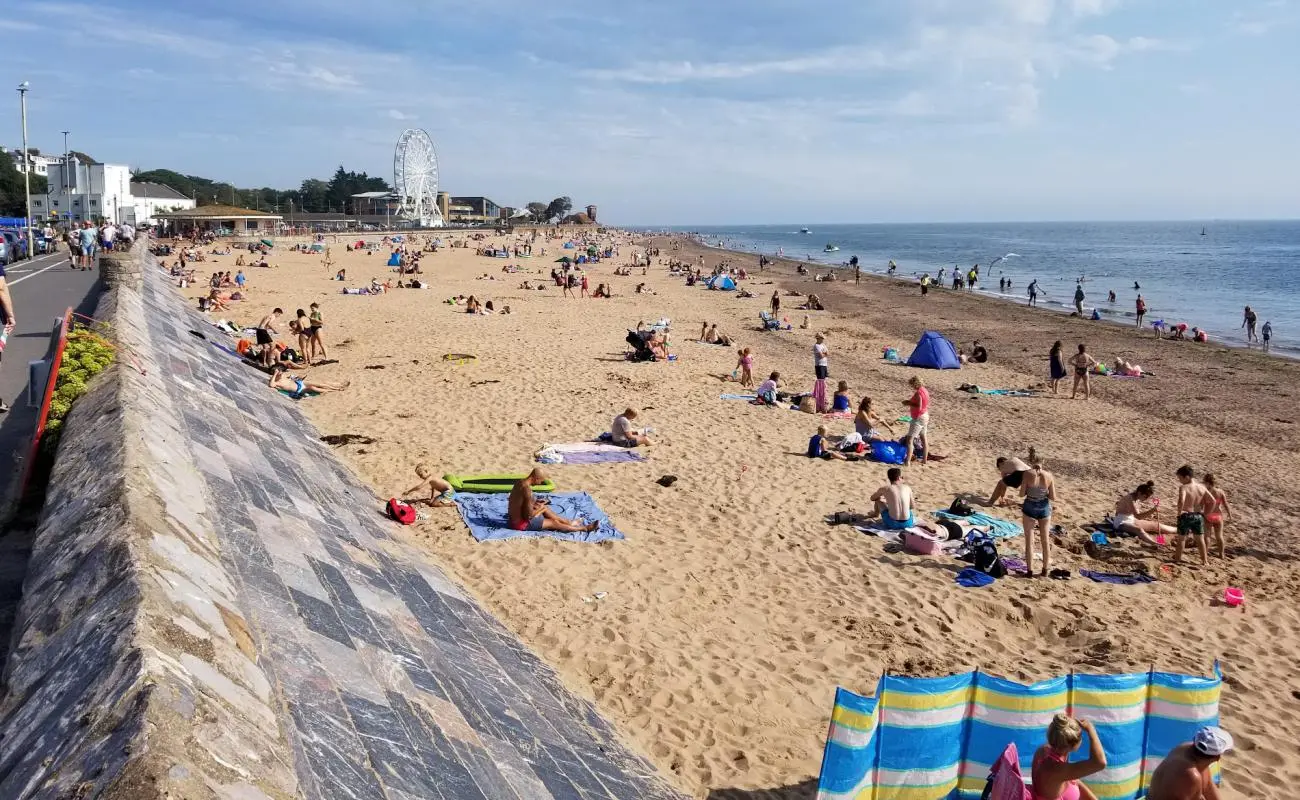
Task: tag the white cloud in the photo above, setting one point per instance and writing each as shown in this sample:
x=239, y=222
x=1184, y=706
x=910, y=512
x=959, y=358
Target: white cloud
x=400, y=116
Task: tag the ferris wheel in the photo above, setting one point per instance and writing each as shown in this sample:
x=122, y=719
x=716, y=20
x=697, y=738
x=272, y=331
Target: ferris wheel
x=415, y=178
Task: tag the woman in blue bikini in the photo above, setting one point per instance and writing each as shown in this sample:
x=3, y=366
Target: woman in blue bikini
x=301, y=387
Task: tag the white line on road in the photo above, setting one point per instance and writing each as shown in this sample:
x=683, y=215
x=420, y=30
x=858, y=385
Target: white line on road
x=37, y=272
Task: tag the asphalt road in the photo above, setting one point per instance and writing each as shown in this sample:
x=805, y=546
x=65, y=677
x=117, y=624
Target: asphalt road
x=42, y=290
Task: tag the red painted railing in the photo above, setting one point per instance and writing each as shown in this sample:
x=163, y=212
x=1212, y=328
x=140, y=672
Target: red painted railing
x=58, y=341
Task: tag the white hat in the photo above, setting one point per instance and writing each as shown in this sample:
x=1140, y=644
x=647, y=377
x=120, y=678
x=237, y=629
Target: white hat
x=1212, y=741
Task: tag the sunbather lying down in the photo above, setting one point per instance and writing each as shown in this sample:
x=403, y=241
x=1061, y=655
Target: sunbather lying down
x=300, y=387
x=530, y=514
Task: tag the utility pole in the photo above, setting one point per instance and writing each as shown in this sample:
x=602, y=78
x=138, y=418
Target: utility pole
x=63, y=193
x=27, y=170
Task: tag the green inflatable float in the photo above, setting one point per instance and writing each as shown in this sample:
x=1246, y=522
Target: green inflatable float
x=492, y=484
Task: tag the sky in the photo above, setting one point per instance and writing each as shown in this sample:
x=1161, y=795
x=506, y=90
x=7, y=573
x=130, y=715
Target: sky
x=697, y=112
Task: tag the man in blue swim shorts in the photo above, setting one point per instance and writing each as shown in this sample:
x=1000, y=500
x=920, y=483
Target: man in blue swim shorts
x=893, y=502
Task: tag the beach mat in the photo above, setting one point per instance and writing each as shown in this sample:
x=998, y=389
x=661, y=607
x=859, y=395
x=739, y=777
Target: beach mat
x=486, y=515
x=594, y=453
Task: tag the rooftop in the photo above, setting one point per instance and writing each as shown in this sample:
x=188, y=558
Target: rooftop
x=217, y=212
x=155, y=190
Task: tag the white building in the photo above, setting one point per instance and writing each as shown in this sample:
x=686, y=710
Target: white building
x=87, y=191
x=148, y=199
x=40, y=164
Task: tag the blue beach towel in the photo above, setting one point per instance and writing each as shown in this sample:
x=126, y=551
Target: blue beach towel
x=972, y=578
x=603, y=457
x=998, y=528
x=750, y=396
x=486, y=515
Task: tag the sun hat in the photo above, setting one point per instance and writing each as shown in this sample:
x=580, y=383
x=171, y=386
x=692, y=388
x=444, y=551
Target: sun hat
x=1212, y=741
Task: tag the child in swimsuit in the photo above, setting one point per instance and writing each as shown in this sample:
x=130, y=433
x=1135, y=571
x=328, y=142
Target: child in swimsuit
x=1214, y=519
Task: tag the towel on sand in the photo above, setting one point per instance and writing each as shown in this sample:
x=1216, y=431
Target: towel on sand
x=486, y=515
x=1121, y=579
x=750, y=396
x=997, y=528
x=592, y=453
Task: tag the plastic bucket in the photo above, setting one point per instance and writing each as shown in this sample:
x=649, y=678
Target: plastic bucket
x=1233, y=596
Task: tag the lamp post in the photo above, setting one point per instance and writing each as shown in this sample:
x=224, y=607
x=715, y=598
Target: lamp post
x=64, y=173
x=27, y=168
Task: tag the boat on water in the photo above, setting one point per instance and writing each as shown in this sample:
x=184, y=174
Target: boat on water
x=1202, y=231
x=830, y=248
x=804, y=230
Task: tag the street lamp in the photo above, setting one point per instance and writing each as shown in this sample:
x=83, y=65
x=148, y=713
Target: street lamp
x=27, y=168
x=65, y=185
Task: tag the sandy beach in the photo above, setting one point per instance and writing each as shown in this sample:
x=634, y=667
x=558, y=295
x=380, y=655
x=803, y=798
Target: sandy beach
x=732, y=610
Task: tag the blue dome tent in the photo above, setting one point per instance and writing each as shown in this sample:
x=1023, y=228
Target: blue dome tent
x=934, y=352
x=723, y=282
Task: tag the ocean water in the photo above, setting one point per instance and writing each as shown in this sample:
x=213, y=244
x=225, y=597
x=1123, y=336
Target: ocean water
x=1203, y=280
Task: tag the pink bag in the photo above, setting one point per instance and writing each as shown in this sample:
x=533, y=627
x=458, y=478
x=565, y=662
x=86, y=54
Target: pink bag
x=922, y=542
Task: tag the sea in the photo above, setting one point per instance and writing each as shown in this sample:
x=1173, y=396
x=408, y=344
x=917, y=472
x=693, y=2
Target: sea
x=1201, y=273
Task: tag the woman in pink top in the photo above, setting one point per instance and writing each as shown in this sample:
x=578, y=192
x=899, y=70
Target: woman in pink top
x=745, y=363
x=1054, y=777
x=918, y=406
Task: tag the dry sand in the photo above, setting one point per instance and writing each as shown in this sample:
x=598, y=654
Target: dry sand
x=733, y=610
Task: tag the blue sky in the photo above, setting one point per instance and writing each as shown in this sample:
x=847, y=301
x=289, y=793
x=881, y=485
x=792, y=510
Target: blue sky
x=698, y=112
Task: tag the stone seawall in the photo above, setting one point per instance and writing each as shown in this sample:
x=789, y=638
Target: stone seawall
x=215, y=609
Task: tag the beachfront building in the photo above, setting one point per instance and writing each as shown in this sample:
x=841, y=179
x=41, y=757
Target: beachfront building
x=222, y=220
x=376, y=204
x=148, y=199
x=80, y=191
x=468, y=210
x=39, y=164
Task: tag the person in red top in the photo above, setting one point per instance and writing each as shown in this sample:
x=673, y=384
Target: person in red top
x=918, y=406
x=1141, y=310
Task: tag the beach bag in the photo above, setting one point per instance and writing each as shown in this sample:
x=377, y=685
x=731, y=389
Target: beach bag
x=402, y=512
x=1005, y=780
x=960, y=508
x=922, y=542
x=888, y=452
x=806, y=405
x=985, y=558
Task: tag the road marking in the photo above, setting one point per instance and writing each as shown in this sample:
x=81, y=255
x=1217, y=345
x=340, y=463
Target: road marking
x=37, y=272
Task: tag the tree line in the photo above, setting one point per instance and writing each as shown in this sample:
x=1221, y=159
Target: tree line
x=313, y=195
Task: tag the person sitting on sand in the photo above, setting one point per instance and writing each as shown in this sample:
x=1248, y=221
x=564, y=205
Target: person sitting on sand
x=472, y=305
x=865, y=422
x=217, y=300
x=894, y=502
x=657, y=341
x=1194, y=502
x=840, y=402
x=441, y=495
x=767, y=389
x=1130, y=519
x=1186, y=774
x=819, y=447
x=341, y=275
x=239, y=261
x=978, y=353
x=300, y=387
x=526, y=513
x=1054, y=776
x=623, y=434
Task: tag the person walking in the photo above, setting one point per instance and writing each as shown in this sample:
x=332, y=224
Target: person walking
x=86, y=238
x=1078, y=298
x=1266, y=333
x=1033, y=292
x=1248, y=320
x=776, y=304
x=1141, y=310
x=918, y=408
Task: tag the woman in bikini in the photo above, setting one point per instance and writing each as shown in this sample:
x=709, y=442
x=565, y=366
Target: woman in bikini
x=1129, y=519
x=865, y=422
x=1082, y=363
x=1054, y=776
x=1039, y=490
x=1214, y=520
x=301, y=387
x=316, y=323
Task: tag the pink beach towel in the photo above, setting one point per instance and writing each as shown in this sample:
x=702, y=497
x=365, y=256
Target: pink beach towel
x=1008, y=783
x=819, y=396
